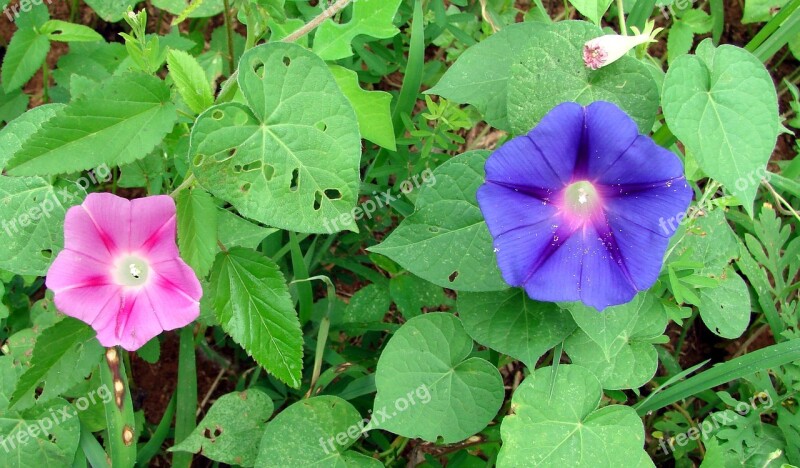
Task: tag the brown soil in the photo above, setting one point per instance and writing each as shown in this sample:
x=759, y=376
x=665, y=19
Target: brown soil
x=155, y=383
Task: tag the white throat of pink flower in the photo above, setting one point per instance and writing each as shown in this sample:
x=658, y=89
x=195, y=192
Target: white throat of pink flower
x=131, y=271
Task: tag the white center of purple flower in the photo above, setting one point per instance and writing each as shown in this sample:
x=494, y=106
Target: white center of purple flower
x=581, y=199
x=131, y=271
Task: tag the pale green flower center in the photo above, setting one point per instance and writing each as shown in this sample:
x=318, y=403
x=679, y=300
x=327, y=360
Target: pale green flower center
x=131, y=271
x=581, y=199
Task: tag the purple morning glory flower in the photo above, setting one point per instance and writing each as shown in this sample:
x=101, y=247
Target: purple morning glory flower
x=583, y=206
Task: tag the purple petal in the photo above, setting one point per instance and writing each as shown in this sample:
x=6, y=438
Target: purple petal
x=558, y=278
x=644, y=162
x=604, y=279
x=639, y=251
x=586, y=267
x=608, y=134
x=544, y=159
x=506, y=209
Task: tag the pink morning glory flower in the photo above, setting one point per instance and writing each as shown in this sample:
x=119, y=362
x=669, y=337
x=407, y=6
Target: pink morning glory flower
x=120, y=270
x=577, y=207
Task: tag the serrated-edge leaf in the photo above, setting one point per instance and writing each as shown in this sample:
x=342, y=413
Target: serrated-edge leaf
x=26, y=52
x=118, y=124
x=67, y=342
x=252, y=302
x=190, y=79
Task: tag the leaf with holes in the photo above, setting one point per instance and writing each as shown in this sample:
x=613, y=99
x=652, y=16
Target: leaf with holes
x=314, y=432
x=63, y=356
x=445, y=240
x=118, y=123
x=617, y=344
x=290, y=158
x=555, y=421
x=511, y=323
x=231, y=430
x=24, y=447
x=251, y=300
x=32, y=222
x=429, y=387
x=57, y=30
x=552, y=71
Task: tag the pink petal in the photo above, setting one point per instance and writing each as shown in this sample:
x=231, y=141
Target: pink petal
x=175, y=292
x=111, y=217
x=170, y=300
x=153, y=228
x=83, y=287
x=136, y=322
x=75, y=270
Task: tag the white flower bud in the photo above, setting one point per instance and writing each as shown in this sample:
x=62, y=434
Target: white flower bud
x=607, y=49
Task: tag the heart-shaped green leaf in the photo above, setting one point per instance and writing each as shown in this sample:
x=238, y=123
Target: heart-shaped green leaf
x=232, y=429
x=511, y=323
x=552, y=71
x=429, y=387
x=289, y=159
x=555, y=422
x=617, y=344
x=446, y=241
x=722, y=105
x=314, y=432
x=481, y=74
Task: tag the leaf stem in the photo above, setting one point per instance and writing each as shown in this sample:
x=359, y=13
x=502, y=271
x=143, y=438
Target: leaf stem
x=621, y=10
x=324, y=330
x=487, y=16
x=228, y=88
x=311, y=25
x=781, y=200
x=188, y=181
x=229, y=33
x=122, y=432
